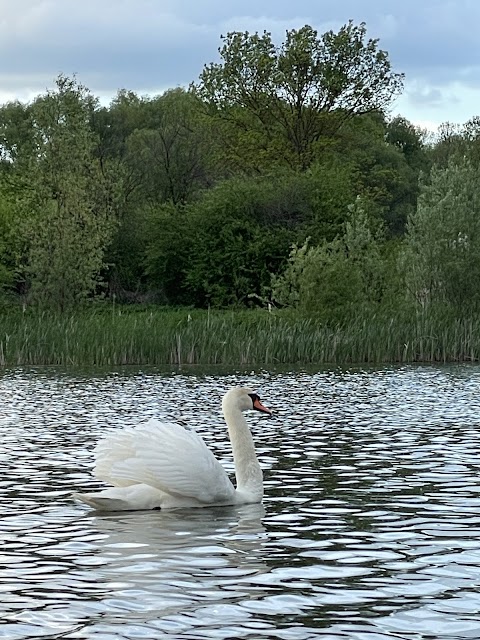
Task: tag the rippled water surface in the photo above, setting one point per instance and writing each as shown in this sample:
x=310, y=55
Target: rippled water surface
x=370, y=527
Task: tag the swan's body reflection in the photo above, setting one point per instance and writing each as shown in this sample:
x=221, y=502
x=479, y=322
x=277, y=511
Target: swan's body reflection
x=173, y=562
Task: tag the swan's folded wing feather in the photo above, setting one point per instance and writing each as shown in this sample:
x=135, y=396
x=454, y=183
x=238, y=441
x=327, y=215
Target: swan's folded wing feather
x=166, y=456
x=116, y=447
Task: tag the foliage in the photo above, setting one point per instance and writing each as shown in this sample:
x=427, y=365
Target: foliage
x=154, y=150
x=65, y=204
x=169, y=245
x=300, y=91
x=15, y=130
x=328, y=188
x=334, y=279
x=450, y=144
x=385, y=160
x=457, y=140
x=220, y=249
x=442, y=246
x=170, y=156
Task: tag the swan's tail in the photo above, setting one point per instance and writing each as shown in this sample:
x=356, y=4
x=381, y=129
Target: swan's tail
x=102, y=503
x=139, y=497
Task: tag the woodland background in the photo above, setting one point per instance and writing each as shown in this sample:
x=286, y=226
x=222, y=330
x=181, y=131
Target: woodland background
x=278, y=181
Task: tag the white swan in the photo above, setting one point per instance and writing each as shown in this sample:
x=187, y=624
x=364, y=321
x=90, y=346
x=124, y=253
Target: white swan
x=163, y=465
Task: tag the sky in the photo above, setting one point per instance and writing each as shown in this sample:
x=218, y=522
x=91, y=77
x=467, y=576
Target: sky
x=149, y=46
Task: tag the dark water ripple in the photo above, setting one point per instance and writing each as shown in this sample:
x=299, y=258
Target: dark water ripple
x=370, y=529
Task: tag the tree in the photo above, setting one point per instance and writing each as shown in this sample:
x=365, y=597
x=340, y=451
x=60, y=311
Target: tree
x=306, y=88
x=155, y=150
x=65, y=205
x=220, y=249
x=410, y=140
x=335, y=279
x=15, y=130
x=384, y=164
x=472, y=134
x=450, y=143
x=170, y=154
x=412, y=161
x=442, y=246
x=9, y=237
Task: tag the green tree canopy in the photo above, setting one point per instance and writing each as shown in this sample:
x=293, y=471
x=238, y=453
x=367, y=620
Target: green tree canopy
x=300, y=91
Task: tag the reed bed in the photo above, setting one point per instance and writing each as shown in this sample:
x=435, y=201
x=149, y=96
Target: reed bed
x=233, y=338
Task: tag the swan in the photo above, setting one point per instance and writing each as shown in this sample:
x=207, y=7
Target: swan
x=163, y=465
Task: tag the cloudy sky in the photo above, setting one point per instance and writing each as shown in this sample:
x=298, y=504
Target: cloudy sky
x=152, y=45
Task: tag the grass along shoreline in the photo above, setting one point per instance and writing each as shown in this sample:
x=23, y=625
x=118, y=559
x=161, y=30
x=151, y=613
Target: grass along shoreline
x=181, y=337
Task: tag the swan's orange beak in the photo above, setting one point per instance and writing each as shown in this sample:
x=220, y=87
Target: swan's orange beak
x=260, y=407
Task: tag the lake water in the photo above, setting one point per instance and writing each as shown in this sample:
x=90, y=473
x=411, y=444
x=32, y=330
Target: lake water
x=370, y=527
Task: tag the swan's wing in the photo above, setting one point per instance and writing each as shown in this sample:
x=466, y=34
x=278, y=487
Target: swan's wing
x=166, y=456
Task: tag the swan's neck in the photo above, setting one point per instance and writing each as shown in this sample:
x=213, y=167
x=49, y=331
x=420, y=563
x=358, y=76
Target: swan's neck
x=247, y=469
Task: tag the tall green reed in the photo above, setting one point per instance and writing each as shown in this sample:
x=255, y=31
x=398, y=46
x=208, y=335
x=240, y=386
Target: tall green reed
x=183, y=337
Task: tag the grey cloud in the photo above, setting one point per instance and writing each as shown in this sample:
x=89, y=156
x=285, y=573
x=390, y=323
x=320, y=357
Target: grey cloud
x=426, y=96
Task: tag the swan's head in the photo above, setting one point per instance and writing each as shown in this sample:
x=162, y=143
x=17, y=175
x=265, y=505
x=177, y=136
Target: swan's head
x=244, y=399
